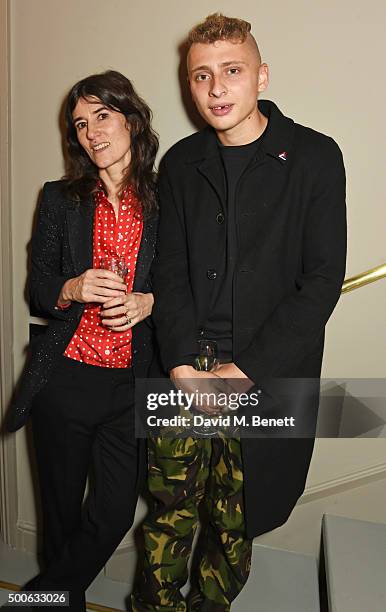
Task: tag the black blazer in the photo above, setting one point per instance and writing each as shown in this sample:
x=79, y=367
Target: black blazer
x=61, y=249
x=291, y=229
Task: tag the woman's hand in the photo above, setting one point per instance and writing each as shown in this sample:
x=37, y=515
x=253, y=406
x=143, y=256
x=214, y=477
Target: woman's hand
x=122, y=313
x=94, y=285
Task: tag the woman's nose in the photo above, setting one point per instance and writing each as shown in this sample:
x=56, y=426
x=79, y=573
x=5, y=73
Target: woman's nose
x=92, y=131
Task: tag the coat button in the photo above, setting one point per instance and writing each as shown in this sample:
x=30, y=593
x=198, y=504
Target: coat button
x=211, y=274
x=220, y=218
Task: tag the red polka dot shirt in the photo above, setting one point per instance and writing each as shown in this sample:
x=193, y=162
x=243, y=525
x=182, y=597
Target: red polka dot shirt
x=93, y=343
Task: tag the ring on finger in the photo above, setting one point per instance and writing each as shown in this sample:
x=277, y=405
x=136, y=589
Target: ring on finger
x=128, y=319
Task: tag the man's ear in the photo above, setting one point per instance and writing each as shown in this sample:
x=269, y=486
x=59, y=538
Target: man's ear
x=263, y=77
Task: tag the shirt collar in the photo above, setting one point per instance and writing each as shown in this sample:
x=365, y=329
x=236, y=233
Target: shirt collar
x=277, y=139
x=128, y=196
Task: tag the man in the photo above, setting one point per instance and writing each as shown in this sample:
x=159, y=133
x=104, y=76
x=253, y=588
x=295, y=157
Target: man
x=251, y=253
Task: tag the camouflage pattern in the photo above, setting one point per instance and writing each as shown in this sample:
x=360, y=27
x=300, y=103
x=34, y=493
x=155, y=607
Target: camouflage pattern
x=182, y=473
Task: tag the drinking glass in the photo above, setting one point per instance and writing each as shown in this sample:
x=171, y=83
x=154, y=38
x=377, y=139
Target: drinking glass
x=115, y=263
x=206, y=361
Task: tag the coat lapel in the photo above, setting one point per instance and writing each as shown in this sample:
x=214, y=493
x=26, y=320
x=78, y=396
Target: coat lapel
x=212, y=169
x=210, y=166
x=146, y=253
x=80, y=220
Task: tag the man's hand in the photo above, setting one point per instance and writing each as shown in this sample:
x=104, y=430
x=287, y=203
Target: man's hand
x=235, y=377
x=183, y=372
x=229, y=370
x=191, y=381
x=94, y=285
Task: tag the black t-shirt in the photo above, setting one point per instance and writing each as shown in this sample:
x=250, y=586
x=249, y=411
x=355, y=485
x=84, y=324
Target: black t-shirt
x=219, y=324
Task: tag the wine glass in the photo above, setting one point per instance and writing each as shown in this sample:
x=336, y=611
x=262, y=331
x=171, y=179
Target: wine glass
x=206, y=361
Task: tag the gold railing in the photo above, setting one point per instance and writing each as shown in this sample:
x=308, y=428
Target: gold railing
x=370, y=276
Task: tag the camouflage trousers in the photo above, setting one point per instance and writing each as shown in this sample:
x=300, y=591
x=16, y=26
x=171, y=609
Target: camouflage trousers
x=182, y=474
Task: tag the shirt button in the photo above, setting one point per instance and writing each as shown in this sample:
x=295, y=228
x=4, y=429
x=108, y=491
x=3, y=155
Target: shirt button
x=220, y=218
x=211, y=274
x=107, y=352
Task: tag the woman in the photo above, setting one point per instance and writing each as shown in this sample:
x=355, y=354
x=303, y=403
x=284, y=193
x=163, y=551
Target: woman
x=80, y=378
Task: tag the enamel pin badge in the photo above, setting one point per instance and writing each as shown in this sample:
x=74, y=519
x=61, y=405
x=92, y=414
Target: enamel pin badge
x=283, y=155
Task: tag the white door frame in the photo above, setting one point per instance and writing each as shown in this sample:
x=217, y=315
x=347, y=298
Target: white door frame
x=8, y=473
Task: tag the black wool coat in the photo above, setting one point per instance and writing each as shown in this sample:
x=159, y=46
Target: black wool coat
x=62, y=248
x=291, y=231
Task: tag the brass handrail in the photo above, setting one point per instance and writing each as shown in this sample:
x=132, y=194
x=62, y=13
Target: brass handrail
x=370, y=276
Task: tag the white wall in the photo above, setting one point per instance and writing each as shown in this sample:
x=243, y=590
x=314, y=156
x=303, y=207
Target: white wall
x=327, y=71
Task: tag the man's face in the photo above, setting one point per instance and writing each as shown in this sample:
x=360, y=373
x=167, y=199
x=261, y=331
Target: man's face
x=225, y=79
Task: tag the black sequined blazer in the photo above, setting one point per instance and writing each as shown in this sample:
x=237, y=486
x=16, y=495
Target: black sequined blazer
x=62, y=247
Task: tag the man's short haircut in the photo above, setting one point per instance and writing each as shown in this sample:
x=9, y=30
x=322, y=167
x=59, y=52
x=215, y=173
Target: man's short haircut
x=219, y=27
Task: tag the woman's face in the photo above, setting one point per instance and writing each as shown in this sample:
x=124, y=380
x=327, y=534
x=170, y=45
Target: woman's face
x=104, y=134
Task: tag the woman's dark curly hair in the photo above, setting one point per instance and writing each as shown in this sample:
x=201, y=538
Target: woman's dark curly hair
x=116, y=92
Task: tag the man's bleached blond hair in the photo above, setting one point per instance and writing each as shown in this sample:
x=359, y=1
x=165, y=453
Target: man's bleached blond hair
x=219, y=27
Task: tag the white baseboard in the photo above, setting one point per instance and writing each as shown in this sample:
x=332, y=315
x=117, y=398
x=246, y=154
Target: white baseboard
x=26, y=536
x=348, y=481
